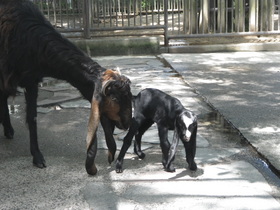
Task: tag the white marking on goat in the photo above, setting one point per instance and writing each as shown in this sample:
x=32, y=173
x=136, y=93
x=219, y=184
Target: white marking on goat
x=187, y=121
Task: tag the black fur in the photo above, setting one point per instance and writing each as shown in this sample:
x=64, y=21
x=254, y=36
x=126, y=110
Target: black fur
x=30, y=49
x=154, y=106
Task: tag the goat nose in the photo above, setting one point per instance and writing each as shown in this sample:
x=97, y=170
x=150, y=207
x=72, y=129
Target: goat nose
x=186, y=138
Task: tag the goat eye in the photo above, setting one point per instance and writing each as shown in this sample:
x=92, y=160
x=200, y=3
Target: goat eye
x=113, y=98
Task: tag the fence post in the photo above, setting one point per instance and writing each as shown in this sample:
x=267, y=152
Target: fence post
x=222, y=16
x=240, y=15
x=253, y=15
x=193, y=17
x=204, y=17
x=87, y=19
x=186, y=22
x=165, y=22
x=270, y=13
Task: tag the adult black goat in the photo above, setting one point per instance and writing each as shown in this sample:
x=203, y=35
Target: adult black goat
x=30, y=49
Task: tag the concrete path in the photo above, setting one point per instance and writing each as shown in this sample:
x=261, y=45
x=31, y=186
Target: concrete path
x=229, y=176
x=242, y=86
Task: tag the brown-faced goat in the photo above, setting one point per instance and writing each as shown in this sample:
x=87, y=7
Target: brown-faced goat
x=30, y=49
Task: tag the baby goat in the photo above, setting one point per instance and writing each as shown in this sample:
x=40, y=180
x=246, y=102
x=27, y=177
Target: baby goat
x=154, y=106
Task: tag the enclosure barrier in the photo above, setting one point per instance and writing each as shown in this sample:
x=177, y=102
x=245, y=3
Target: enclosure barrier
x=168, y=18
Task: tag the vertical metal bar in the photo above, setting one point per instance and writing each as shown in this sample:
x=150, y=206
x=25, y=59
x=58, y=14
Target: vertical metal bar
x=158, y=10
x=110, y=13
x=54, y=12
x=185, y=16
x=73, y=13
x=80, y=11
x=215, y=16
x=60, y=15
x=134, y=11
x=209, y=17
x=179, y=14
x=252, y=16
x=244, y=16
x=193, y=17
x=48, y=9
x=261, y=15
x=140, y=2
x=278, y=7
x=104, y=12
x=117, y=8
x=128, y=12
x=226, y=17
x=122, y=11
x=146, y=11
x=67, y=15
x=165, y=7
x=172, y=14
x=86, y=19
x=270, y=14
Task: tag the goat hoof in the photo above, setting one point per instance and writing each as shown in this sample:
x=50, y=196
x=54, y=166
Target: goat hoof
x=119, y=166
x=193, y=166
x=119, y=170
x=171, y=169
x=40, y=164
x=38, y=160
x=110, y=158
x=9, y=133
x=141, y=155
x=92, y=170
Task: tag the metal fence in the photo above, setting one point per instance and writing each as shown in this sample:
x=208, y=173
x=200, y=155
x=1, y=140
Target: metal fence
x=168, y=18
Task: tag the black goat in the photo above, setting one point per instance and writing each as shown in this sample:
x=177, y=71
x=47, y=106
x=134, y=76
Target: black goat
x=154, y=106
x=30, y=49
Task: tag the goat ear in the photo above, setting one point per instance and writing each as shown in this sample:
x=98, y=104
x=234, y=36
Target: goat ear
x=106, y=87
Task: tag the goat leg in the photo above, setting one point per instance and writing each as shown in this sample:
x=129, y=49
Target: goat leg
x=190, y=148
x=5, y=117
x=126, y=144
x=31, y=94
x=108, y=127
x=165, y=146
x=91, y=153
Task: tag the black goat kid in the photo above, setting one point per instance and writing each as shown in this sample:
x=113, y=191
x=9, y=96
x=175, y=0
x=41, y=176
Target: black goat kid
x=154, y=106
x=30, y=49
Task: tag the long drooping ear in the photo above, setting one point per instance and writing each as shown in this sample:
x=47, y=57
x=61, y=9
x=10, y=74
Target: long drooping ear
x=105, y=86
x=94, y=113
x=173, y=146
x=91, y=140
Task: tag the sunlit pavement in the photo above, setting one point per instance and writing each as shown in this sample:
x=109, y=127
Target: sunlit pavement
x=242, y=86
x=230, y=174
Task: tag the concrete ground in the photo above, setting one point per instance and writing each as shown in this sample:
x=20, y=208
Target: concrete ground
x=230, y=174
x=242, y=86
